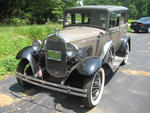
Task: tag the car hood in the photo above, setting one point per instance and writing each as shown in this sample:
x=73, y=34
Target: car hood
x=72, y=34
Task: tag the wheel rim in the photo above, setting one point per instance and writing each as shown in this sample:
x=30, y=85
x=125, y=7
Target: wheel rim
x=126, y=53
x=97, y=87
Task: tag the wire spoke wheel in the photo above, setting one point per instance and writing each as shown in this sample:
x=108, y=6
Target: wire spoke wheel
x=97, y=84
x=95, y=87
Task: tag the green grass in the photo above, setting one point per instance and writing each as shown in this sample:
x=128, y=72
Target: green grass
x=14, y=38
x=129, y=22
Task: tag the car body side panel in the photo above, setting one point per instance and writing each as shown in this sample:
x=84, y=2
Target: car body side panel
x=123, y=29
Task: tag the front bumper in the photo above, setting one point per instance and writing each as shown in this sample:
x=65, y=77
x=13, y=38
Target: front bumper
x=53, y=86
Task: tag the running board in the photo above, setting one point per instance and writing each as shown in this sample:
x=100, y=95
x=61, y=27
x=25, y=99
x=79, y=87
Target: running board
x=53, y=86
x=116, y=63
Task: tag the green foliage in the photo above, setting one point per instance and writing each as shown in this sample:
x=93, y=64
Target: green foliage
x=7, y=65
x=13, y=39
x=133, y=12
x=36, y=11
x=137, y=8
x=18, y=21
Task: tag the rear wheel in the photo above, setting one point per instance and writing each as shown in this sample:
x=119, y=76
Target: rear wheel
x=95, y=87
x=136, y=31
x=24, y=68
x=126, y=55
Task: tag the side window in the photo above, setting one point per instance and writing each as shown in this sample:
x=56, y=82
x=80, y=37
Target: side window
x=114, y=21
x=123, y=18
x=68, y=19
x=102, y=20
x=86, y=19
x=78, y=18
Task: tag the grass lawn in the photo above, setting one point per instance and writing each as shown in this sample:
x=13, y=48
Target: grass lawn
x=129, y=22
x=13, y=39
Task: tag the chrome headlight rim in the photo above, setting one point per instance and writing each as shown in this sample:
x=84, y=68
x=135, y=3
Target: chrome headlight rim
x=72, y=50
x=37, y=45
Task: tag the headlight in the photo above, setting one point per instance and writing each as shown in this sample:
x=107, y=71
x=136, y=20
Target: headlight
x=72, y=50
x=37, y=45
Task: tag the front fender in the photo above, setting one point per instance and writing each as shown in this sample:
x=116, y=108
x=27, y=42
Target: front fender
x=90, y=66
x=26, y=53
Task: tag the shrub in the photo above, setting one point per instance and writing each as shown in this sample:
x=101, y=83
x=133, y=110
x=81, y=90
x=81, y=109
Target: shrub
x=18, y=21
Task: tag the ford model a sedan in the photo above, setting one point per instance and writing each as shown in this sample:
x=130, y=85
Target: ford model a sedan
x=76, y=60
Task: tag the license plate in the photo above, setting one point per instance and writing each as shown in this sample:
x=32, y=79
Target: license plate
x=54, y=55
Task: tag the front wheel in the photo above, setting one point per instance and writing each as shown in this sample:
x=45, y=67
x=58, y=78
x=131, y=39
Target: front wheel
x=95, y=87
x=24, y=68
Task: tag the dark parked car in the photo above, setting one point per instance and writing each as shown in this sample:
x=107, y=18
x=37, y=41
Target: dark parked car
x=143, y=24
x=77, y=59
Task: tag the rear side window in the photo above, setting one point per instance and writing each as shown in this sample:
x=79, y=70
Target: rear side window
x=114, y=21
x=123, y=18
x=102, y=20
x=68, y=19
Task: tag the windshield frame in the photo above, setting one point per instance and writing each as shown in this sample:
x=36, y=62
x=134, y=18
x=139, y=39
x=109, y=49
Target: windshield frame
x=92, y=14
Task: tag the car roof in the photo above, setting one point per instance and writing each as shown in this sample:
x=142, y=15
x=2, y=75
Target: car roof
x=108, y=8
x=144, y=19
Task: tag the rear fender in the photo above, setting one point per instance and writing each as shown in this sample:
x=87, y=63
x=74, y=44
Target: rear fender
x=122, y=48
x=26, y=53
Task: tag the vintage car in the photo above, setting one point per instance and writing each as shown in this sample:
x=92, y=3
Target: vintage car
x=75, y=60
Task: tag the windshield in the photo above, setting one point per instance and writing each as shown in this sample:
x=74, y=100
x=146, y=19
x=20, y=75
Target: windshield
x=91, y=19
x=144, y=19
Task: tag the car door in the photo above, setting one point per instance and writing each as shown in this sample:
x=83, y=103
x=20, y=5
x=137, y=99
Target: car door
x=114, y=29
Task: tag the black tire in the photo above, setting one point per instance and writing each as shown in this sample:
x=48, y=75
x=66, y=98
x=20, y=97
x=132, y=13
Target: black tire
x=89, y=101
x=24, y=68
x=136, y=31
x=125, y=60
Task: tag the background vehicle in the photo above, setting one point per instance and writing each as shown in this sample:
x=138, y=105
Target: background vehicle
x=143, y=24
x=77, y=59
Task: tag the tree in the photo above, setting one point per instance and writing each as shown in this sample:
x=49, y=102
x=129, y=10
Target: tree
x=133, y=13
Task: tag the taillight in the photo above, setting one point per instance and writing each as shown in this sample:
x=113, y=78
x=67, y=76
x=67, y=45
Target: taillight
x=141, y=24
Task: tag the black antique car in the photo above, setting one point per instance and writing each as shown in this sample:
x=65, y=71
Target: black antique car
x=142, y=24
x=77, y=59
